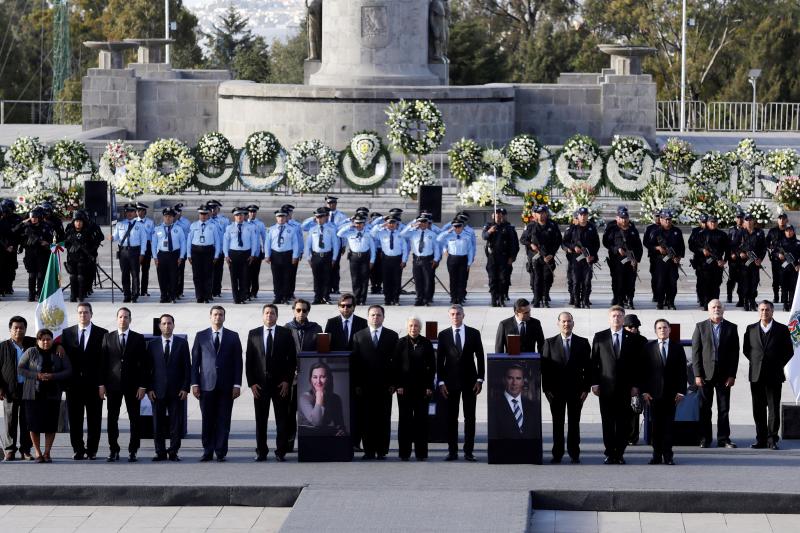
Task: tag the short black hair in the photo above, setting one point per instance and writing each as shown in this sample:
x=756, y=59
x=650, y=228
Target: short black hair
x=167, y=315
x=271, y=306
x=520, y=303
x=216, y=307
x=86, y=304
x=130, y=315
x=16, y=319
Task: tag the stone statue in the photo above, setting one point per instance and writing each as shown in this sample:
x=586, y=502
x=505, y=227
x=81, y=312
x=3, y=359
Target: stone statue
x=314, y=13
x=439, y=30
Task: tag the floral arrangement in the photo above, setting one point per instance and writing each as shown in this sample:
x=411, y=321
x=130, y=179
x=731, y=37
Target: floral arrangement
x=64, y=200
x=482, y=192
x=262, y=162
x=373, y=163
x=261, y=148
x=533, y=199
x=148, y=174
x=659, y=194
x=302, y=181
x=714, y=172
x=24, y=159
x=697, y=202
x=580, y=152
x=71, y=157
x=628, y=152
x=744, y=160
x=677, y=155
x=579, y=195
x=114, y=164
x=787, y=194
x=495, y=163
x=465, y=158
x=629, y=167
x=725, y=209
x=781, y=162
x=403, y=115
x=416, y=173
x=580, y=161
x=523, y=151
x=213, y=149
x=760, y=212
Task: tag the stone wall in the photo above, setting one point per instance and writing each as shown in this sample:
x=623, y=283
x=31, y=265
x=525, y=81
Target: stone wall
x=110, y=99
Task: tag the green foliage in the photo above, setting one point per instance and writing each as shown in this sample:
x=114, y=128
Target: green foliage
x=287, y=59
x=229, y=36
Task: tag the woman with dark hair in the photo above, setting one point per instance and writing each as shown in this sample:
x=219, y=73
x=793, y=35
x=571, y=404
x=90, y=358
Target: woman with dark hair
x=320, y=409
x=44, y=372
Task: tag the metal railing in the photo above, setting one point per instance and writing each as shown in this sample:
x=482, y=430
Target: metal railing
x=40, y=112
x=668, y=116
x=781, y=116
x=733, y=116
x=728, y=116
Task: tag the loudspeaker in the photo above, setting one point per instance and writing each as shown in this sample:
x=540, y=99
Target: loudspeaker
x=430, y=199
x=95, y=201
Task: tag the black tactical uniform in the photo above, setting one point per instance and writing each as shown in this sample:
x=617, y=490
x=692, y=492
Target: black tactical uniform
x=36, y=239
x=9, y=242
x=81, y=245
x=624, y=255
x=789, y=248
x=734, y=263
x=670, y=240
x=696, y=249
x=583, y=243
x=647, y=241
x=502, y=247
x=713, y=246
x=774, y=236
x=570, y=260
x=541, y=241
x=751, y=246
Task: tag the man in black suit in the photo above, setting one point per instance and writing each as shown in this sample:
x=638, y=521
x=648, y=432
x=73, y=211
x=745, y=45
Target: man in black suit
x=123, y=375
x=460, y=368
x=15, y=425
x=663, y=385
x=613, y=360
x=715, y=360
x=216, y=382
x=342, y=328
x=566, y=370
x=270, y=364
x=768, y=347
x=83, y=344
x=371, y=370
x=169, y=376
x=529, y=329
x=632, y=325
x=513, y=410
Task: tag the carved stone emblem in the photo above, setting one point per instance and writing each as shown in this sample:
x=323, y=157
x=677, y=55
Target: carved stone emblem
x=375, y=26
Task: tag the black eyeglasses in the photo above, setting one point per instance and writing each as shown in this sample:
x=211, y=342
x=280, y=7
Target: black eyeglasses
x=301, y=310
x=345, y=306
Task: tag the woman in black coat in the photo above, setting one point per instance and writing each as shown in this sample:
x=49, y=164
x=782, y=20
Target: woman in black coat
x=45, y=373
x=414, y=364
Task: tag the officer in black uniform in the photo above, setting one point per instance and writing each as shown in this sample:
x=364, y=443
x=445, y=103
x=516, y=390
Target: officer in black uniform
x=774, y=236
x=541, y=239
x=751, y=247
x=35, y=242
x=714, y=247
x=647, y=241
x=502, y=247
x=789, y=250
x=582, y=242
x=668, y=249
x=81, y=243
x=570, y=256
x=9, y=242
x=54, y=221
x=696, y=248
x=734, y=264
x=625, y=253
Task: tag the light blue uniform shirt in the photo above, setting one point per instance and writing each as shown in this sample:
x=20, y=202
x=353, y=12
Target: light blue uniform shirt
x=391, y=245
x=285, y=239
x=330, y=243
x=261, y=231
x=161, y=242
x=458, y=244
x=358, y=241
x=230, y=241
x=220, y=223
x=149, y=225
x=184, y=224
x=136, y=238
x=429, y=244
x=204, y=234
x=467, y=231
x=298, y=234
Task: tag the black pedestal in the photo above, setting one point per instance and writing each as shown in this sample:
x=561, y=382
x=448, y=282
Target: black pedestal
x=790, y=421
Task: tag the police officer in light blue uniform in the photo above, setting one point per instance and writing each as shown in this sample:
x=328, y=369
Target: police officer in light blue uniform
x=204, y=249
x=422, y=243
x=463, y=217
x=361, y=255
x=185, y=225
x=131, y=234
x=283, y=247
x=460, y=255
x=254, y=269
x=394, y=252
x=240, y=246
x=169, y=250
x=222, y=222
x=149, y=225
x=322, y=247
x=289, y=210
x=337, y=218
x=376, y=274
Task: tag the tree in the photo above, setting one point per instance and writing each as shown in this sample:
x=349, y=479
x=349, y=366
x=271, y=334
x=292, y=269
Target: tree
x=287, y=59
x=228, y=38
x=253, y=62
x=475, y=58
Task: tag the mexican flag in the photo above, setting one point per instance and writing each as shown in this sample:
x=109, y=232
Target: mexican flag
x=51, y=313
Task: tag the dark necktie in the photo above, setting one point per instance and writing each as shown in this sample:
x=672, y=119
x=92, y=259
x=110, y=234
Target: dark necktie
x=122, y=342
x=169, y=238
x=83, y=339
x=567, y=351
x=375, y=338
x=517, y=413
x=616, y=344
x=421, y=242
x=239, y=237
x=664, y=352
x=715, y=338
x=391, y=240
x=202, y=232
x=458, y=236
x=321, y=242
x=522, y=329
x=358, y=235
x=458, y=341
x=346, y=331
x=216, y=341
x=269, y=343
x=280, y=234
x=166, y=351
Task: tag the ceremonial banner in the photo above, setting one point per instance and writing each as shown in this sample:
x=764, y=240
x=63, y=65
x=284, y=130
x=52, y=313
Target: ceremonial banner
x=51, y=313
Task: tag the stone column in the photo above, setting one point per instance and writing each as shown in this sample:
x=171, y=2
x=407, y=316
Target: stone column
x=374, y=42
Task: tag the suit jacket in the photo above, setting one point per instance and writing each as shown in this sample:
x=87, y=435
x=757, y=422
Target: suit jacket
x=559, y=376
x=371, y=367
x=615, y=375
x=703, y=362
x=217, y=370
x=277, y=367
x=532, y=342
x=8, y=367
x=309, y=340
x=334, y=328
x=767, y=360
x=414, y=364
x=504, y=426
x=123, y=371
x=168, y=378
x=661, y=380
x=460, y=370
x=86, y=363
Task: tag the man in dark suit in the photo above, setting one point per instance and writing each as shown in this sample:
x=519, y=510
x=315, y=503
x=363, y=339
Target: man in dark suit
x=768, y=347
x=529, y=329
x=342, y=328
x=663, y=385
x=512, y=409
x=566, y=371
x=613, y=360
x=460, y=368
x=715, y=360
x=83, y=344
x=170, y=374
x=15, y=426
x=371, y=370
x=123, y=375
x=270, y=364
x=216, y=382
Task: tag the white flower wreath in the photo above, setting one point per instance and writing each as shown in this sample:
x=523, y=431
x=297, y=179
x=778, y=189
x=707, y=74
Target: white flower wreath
x=114, y=163
x=415, y=174
x=481, y=192
x=217, y=162
x=148, y=171
x=254, y=180
x=564, y=174
x=403, y=114
x=24, y=160
x=579, y=151
x=541, y=179
x=365, y=163
x=69, y=160
x=302, y=181
x=625, y=186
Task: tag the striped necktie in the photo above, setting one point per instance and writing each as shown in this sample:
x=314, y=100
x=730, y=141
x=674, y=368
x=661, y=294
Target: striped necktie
x=517, y=413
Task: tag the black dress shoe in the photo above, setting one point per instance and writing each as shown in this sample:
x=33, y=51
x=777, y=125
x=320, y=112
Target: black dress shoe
x=469, y=457
x=705, y=444
x=80, y=456
x=451, y=457
x=620, y=461
x=206, y=458
x=609, y=461
x=575, y=460
x=381, y=457
x=174, y=457
x=159, y=457
x=759, y=445
x=368, y=457
x=113, y=457
x=92, y=457
x=260, y=458
x=726, y=444
x=132, y=458
x=405, y=458
x=555, y=461
x=280, y=457
x=654, y=461
x=669, y=462
x=774, y=446
x=220, y=458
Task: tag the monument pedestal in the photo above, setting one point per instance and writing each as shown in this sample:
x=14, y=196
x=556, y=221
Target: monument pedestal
x=790, y=421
